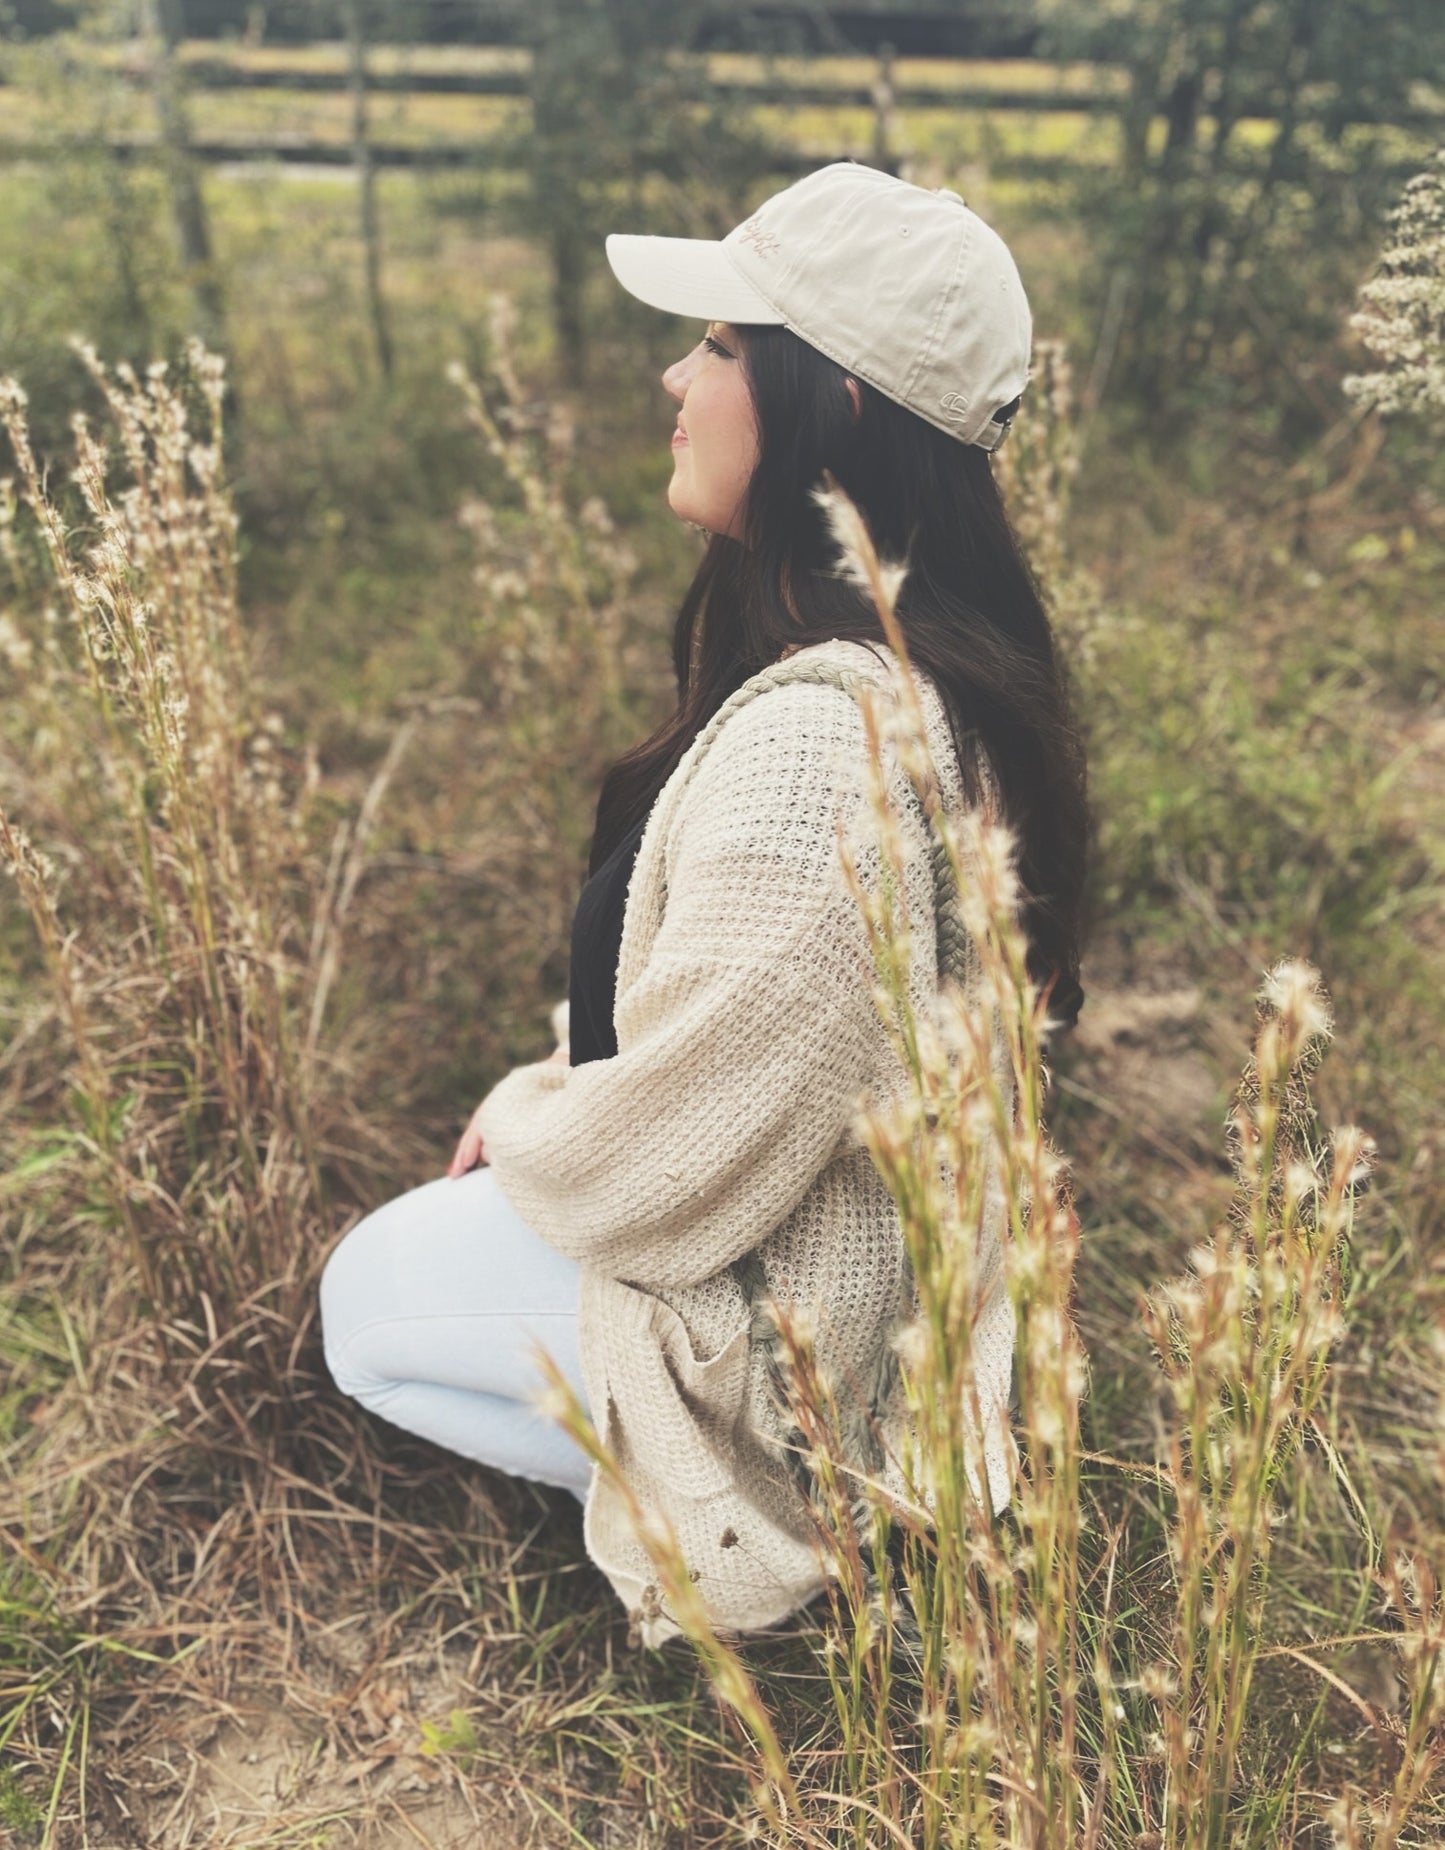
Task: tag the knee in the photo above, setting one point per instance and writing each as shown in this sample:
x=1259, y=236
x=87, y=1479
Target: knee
x=346, y=1300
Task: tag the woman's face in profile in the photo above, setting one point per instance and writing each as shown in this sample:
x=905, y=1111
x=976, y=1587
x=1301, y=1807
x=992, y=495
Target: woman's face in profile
x=715, y=446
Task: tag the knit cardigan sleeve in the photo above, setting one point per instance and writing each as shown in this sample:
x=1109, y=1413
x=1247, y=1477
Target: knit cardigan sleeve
x=747, y=1037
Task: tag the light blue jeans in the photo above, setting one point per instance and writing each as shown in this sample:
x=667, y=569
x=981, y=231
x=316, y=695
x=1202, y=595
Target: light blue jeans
x=430, y=1310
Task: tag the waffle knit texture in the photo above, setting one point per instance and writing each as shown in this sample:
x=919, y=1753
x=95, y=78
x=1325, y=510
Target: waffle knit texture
x=726, y=1130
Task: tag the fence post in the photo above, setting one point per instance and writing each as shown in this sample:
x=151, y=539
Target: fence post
x=884, y=110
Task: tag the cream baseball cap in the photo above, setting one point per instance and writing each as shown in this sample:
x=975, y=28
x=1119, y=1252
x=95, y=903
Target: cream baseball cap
x=906, y=288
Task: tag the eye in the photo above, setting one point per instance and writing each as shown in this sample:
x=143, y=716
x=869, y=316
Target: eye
x=714, y=345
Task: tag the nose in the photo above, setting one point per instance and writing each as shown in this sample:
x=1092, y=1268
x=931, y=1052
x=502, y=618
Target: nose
x=678, y=376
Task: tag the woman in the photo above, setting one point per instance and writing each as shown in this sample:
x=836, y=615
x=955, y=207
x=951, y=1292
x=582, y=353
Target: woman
x=692, y=1148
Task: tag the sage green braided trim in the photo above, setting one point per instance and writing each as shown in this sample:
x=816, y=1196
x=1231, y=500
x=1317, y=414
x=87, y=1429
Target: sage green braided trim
x=955, y=945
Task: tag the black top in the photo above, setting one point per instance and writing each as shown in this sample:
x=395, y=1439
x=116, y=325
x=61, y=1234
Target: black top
x=596, y=942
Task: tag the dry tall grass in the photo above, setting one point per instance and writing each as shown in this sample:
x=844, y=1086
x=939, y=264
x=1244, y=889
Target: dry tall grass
x=187, y=1108
x=1083, y=1668
x=188, y=908
x=171, y=905
x=1007, y=1679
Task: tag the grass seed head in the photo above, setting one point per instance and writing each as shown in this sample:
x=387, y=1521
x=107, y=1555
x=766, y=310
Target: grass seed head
x=1294, y=991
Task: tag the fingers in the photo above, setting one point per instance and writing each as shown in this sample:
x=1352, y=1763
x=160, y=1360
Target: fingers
x=470, y=1151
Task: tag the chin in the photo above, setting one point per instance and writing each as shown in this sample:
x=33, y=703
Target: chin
x=687, y=507
x=682, y=506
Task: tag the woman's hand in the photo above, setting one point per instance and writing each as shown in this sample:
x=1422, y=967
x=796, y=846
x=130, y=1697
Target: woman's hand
x=471, y=1150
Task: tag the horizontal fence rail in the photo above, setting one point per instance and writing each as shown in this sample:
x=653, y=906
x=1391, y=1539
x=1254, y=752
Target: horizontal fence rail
x=218, y=76
x=1008, y=87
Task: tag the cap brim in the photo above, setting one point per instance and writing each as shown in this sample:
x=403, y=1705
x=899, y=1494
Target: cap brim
x=687, y=276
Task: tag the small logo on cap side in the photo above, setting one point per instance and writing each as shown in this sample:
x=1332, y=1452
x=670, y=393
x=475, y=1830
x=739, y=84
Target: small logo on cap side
x=751, y=232
x=954, y=404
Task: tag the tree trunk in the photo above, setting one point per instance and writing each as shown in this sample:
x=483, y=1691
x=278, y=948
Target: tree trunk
x=569, y=274
x=119, y=217
x=165, y=25
x=366, y=184
x=562, y=39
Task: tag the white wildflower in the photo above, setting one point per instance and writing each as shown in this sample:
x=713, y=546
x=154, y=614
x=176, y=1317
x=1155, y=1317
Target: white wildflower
x=1402, y=314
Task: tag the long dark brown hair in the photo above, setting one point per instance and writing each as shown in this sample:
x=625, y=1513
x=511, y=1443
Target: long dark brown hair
x=969, y=607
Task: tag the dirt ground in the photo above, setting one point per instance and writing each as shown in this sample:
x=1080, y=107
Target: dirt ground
x=349, y=1757
x=341, y=1760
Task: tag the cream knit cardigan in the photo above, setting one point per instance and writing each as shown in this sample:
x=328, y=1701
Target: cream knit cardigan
x=725, y=1125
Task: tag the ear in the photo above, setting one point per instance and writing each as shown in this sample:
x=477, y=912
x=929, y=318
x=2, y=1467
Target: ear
x=855, y=395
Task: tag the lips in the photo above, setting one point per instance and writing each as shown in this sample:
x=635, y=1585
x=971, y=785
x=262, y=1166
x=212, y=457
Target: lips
x=679, y=438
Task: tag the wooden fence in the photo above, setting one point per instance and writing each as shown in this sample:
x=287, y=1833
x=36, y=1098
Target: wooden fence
x=994, y=87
